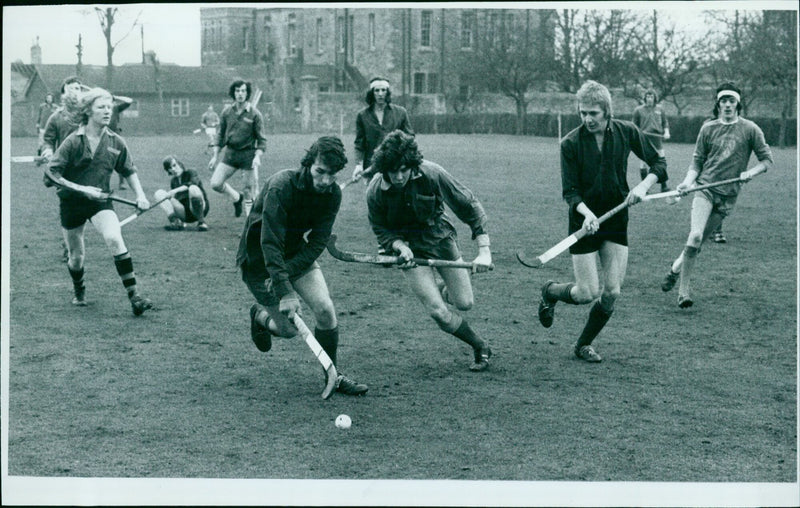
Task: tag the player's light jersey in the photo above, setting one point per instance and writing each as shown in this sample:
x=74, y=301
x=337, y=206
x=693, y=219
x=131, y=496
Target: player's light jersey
x=650, y=120
x=723, y=150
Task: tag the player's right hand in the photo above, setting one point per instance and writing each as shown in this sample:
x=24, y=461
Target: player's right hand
x=405, y=253
x=289, y=305
x=95, y=193
x=359, y=169
x=683, y=187
x=212, y=163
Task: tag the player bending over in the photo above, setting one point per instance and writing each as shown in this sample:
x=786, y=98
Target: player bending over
x=279, y=266
x=187, y=206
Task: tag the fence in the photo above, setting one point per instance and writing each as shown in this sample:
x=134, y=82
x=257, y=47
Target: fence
x=683, y=129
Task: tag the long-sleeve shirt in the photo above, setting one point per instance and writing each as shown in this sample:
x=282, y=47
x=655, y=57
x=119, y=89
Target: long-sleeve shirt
x=415, y=212
x=75, y=161
x=370, y=132
x=243, y=130
x=650, y=119
x=286, y=209
x=598, y=178
x=60, y=125
x=723, y=150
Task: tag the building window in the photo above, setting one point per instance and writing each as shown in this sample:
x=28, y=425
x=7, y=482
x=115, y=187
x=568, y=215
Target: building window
x=371, y=31
x=318, y=36
x=467, y=29
x=433, y=82
x=291, y=36
x=180, y=107
x=425, y=29
x=419, y=82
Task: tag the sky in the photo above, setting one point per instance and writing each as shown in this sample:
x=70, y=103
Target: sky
x=173, y=30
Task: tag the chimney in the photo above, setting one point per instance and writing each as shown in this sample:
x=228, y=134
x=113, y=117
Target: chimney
x=36, y=52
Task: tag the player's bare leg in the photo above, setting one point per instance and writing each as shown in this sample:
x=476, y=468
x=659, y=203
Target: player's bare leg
x=218, y=182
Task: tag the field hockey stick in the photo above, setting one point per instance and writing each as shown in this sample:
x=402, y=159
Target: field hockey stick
x=332, y=376
x=567, y=242
x=28, y=158
x=348, y=183
x=90, y=192
x=197, y=131
x=675, y=193
x=382, y=259
x=139, y=212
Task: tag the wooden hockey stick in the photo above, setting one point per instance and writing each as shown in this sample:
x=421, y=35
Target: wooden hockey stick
x=139, y=212
x=380, y=259
x=90, y=192
x=332, y=377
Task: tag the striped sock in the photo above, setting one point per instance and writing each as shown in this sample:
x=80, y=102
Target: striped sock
x=77, y=277
x=124, y=265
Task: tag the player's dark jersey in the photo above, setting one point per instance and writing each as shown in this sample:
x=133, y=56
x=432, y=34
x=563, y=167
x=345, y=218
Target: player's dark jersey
x=188, y=177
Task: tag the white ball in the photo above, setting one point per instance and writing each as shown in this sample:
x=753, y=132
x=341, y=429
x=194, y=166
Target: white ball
x=343, y=422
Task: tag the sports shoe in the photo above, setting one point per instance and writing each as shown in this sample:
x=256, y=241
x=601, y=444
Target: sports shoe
x=139, y=305
x=237, y=206
x=175, y=224
x=482, y=355
x=547, y=307
x=587, y=354
x=202, y=226
x=670, y=279
x=260, y=334
x=685, y=301
x=718, y=237
x=349, y=387
x=80, y=297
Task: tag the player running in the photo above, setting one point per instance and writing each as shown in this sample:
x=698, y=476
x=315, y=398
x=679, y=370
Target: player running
x=406, y=212
x=284, y=234
x=652, y=122
x=241, y=133
x=722, y=151
x=87, y=157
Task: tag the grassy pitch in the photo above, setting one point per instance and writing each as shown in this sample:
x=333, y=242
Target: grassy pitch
x=706, y=394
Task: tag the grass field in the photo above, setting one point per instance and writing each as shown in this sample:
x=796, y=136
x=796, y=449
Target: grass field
x=707, y=394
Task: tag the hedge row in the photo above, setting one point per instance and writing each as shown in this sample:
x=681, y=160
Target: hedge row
x=683, y=129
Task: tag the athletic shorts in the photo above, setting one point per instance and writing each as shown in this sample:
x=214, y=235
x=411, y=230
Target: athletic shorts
x=75, y=211
x=614, y=230
x=187, y=210
x=721, y=205
x=446, y=249
x=260, y=285
x=239, y=159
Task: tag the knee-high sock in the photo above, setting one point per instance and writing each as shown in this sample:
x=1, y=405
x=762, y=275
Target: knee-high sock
x=562, y=292
x=197, y=205
x=689, y=257
x=598, y=317
x=329, y=340
x=124, y=265
x=468, y=335
x=77, y=277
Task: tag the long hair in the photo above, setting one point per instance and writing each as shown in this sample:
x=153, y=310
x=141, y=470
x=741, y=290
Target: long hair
x=68, y=81
x=592, y=92
x=370, y=98
x=329, y=150
x=727, y=86
x=88, y=99
x=398, y=149
x=236, y=84
x=652, y=92
x=167, y=163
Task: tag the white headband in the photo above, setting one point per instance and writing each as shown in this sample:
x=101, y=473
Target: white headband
x=379, y=83
x=732, y=93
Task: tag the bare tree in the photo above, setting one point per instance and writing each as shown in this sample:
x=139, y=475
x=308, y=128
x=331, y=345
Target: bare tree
x=610, y=45
x=108, y=17
x=670, y=60
x=571, y=50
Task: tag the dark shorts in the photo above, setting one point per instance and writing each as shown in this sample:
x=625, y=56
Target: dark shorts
x=721, y=205
x=76, y=211
x=187, y=210
x=446, y=249
x=239, y=159
x=614, y=230
x=258, y=282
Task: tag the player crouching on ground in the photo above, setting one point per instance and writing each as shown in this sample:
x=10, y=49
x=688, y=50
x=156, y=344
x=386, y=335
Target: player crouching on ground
x=87, y=157
x=406, y=212
x=187, y=206
x=721, y=152
x=279, y=266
